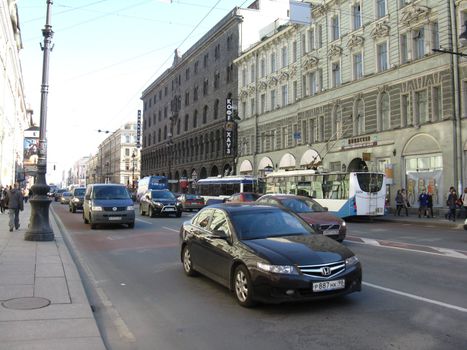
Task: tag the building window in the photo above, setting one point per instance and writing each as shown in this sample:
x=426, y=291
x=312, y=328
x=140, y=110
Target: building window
x=335, y=28
x=159, y=135
x=217, y=52
x=418, y=43
x=273, y=99
x=285, y=137
x=216, y=109
x=356, y=16
x=244, y=109
x=321, y=129
x=178, y=127
x=229, y=75
x=336, y=74
x=206, y=60
x=404, y=49
x=187, y=98
x=382, y=56
x=305, y=86
x=405, y=111
x=338, y=122
x=360, y=118
x=437, y=103
x=295, y=91
x=244, y=82
x=205, y=87
x=196, y=67
x=380, y=8
x=187, y=74
x=262, y=66
x=252, y=107
x=311, y=39
x=252, y=73
x=313, y=131
x=205, y=114
x=186, y=122
x=304, y=132
x=385, y=117
x=435, y=35
x=229, y=42
x=294, y=51
x=357, y=66
x=285, y=95
x=195, y=93
x=262, y=103
x=273, y=62
x=421, y=107
x=312, y=83
x=319, y=30
x=285, y=58
x=165, y=112
x=303, y=40
x=195, y=119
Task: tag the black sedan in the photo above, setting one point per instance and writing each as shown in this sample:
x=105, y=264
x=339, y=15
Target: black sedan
x=159, y=202
x=266, y=253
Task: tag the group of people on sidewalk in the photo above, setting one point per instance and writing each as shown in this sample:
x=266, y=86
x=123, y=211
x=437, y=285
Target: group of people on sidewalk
x=425, y=201
x=12, y=199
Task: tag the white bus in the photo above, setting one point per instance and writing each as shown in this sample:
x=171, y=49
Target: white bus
x=345, y=194
x=223, y=187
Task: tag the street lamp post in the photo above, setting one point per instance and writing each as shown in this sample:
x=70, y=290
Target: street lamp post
x=39, y=228
x=133, y=171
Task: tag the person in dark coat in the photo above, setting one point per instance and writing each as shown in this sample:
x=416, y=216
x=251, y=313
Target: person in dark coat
x=430, y=206
x=14, y=202
x=452, y=204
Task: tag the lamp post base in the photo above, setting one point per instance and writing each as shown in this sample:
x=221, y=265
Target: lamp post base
x=39, y=228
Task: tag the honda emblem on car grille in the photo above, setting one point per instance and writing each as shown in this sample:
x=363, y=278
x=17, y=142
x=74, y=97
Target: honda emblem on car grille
x=114, y=208
x=326, y=271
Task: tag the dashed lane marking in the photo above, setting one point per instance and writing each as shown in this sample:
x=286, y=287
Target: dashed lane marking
x=452, y=253
x=416, y=297
x=170, y=229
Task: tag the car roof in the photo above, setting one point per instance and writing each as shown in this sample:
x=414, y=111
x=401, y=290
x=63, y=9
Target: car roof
x=284, y=196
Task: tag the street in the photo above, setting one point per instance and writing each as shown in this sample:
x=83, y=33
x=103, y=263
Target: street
x=413, y=294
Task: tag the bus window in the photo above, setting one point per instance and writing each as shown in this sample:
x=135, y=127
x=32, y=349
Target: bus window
x=370, y=182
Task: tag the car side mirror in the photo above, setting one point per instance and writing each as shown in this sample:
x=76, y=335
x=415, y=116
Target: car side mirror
x=219, y=234
x=87, y=197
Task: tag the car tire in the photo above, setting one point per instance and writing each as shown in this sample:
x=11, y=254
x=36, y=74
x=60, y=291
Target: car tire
x=69, y=209
x=187, y=263
x=243, y=289
x=84, y=219
x=73, y=209
x=141, y=212
x=150, y=212
x=179, y=214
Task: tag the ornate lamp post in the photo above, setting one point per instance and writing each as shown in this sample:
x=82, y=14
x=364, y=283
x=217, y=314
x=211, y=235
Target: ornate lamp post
x=133, y=170
x=39, y=227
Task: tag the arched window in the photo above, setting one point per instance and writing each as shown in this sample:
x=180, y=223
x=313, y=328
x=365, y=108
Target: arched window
x=216, y=109
x=205, y=114
x=186, y=122
x=195, y=119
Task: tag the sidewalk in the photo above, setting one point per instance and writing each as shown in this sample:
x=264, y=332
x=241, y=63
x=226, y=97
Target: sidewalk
x=413, y=218
x=43, y=304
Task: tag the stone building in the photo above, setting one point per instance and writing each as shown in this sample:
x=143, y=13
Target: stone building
x=117, y=159
x=14, y=116
x=370, y=84
x=184, y=116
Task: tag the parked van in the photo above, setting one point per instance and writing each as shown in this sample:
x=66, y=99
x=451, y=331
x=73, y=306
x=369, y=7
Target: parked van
x=106, y=204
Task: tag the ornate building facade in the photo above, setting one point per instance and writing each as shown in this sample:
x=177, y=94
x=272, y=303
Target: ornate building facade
x=184, y=116
x=366, y=86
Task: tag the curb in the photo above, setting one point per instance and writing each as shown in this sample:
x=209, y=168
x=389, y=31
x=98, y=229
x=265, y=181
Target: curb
x=435, y=222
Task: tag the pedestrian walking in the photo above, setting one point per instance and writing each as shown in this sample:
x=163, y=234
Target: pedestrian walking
x=14, y=202
x=2, y=199
x=463, y=198
x=423, y=203
x=430, y=205
x=399, y=203
x=452, y=205
x=405, y=202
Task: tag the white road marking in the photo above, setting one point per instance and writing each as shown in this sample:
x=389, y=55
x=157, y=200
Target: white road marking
x=370, y=241
x=170, y=229
x=146, y=222
x=416, y=297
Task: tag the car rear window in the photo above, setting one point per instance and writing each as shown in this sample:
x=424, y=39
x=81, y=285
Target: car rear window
x=80, y=192
x=192, y=197
x=111, y=192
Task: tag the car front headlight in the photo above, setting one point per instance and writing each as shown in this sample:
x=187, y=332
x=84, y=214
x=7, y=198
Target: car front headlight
x=282, y=269
x=76, y=200
x=96, y=208
x=351, y=261
x=157, y=204
x=130, y=207
x=344, y=224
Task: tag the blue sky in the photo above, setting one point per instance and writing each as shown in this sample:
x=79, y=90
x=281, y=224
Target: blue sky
x=105, y=53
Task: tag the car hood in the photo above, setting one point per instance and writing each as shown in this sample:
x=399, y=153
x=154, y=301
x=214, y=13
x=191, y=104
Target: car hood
x=165, y=201
x=113, y=202
x=299, y=250
x=321, y=218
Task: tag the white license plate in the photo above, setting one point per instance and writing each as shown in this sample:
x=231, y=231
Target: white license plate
x=115, y=218
x=328, y=285
x=168, y=209
x=330, y=232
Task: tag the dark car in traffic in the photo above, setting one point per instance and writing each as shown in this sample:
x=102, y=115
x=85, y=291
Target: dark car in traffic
x=311, y=211
x=77, y=199
x=266, y=253
x=159, y=202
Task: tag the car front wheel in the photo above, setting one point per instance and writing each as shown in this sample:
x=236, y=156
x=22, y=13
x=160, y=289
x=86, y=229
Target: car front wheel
x=243, y=287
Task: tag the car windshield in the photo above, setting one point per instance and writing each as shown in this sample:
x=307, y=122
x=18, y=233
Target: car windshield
x=80, y=192
x=162, y=195
x=302, y=205
x=268, y=223
x=110, y=192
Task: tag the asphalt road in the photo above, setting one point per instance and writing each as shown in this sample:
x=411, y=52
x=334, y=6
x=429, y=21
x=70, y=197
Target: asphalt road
x=412, y=298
